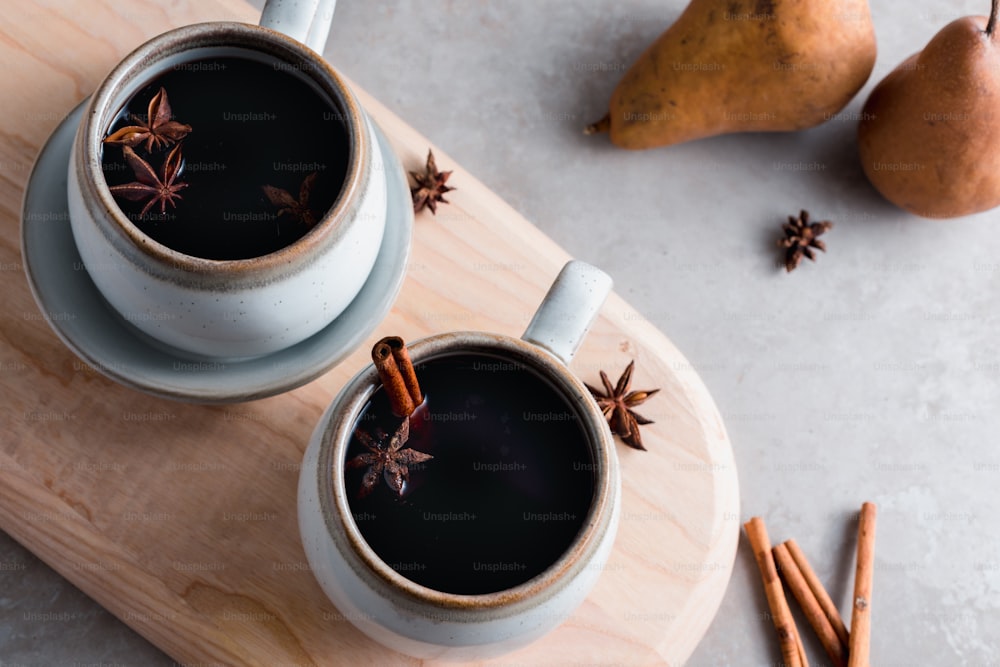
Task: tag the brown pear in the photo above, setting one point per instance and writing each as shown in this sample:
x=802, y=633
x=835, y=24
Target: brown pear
x=743, y=66
x=929, y=136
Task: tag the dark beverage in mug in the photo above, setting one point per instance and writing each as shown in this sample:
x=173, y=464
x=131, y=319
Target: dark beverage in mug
x=506, y=492
x=263, y=158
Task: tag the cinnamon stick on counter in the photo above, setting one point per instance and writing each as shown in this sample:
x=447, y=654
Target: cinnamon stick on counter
x=861, y=615
x=395, y=370
x=819, y=592
x=788, y=636
x=810, y=606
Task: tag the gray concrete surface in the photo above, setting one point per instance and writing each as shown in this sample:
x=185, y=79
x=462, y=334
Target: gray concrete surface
x=869, y=375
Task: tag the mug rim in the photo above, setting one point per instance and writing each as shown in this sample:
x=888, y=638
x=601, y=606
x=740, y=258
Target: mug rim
x=577, y=555
x=126, y=235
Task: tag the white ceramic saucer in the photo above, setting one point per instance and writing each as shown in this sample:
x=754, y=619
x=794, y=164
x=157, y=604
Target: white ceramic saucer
x=100, y=336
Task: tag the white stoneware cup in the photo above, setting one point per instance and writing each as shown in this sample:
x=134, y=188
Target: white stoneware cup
x=232, y=309
x=431, y=624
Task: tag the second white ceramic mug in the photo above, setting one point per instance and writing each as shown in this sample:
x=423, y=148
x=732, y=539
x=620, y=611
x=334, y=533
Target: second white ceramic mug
x=432, y=624
x=229, y=309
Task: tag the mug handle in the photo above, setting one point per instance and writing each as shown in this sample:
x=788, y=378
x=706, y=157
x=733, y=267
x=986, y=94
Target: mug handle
x=569, y=308
x=305, y=20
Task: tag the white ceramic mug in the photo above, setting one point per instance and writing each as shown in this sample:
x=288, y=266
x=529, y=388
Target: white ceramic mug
x=231, y=309
x=431, y=624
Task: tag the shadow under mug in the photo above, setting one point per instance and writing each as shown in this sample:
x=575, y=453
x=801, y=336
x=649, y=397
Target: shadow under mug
x=428, y=623
x=240, y=308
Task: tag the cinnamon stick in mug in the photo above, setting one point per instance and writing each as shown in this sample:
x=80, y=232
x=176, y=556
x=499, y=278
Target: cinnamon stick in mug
x=402, y=357
x=392, y=379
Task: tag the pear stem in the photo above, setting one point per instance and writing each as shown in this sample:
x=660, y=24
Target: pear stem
x=604, y=125
x=992, y=23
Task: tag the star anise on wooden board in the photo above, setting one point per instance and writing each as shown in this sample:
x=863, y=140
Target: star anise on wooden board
x=390, y=460
x=296, y=209
x=617, y=402
x=159, y=188
x=430, y=186
x=801, y=236
x=157, y=129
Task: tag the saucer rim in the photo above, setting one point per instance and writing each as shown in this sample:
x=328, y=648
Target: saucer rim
x=207, y=388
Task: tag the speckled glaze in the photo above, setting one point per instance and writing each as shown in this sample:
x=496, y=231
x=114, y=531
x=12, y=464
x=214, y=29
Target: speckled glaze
x=237, y=308
x=430, y=624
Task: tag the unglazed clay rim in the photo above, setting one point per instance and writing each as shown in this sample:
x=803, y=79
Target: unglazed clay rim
x=124, y=234
x=390, y=584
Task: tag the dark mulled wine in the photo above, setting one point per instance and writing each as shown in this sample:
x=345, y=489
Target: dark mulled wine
x=506, y=492
x=227, y=157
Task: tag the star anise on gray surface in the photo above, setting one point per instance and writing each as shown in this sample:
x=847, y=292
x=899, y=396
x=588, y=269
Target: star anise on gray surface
x=801, y=236
x=159, y=188
x=617, y=402
x=158, y=128
x=296, y=209
x=430, y=186
x=390, y=460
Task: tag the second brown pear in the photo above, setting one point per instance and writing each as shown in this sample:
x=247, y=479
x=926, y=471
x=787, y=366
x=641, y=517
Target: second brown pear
x=743, y=66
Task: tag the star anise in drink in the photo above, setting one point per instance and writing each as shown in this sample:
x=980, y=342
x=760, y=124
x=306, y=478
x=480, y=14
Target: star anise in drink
x=430, y=187
x=390, y=460
x=157, y=129
x=296, y=209
x=149, y=186
x=617, y=402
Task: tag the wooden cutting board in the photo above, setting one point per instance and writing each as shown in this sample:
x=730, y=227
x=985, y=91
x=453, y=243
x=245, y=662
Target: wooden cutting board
x=181, y=519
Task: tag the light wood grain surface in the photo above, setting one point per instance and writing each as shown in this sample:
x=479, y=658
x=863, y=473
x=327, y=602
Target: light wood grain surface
x=180, y=519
